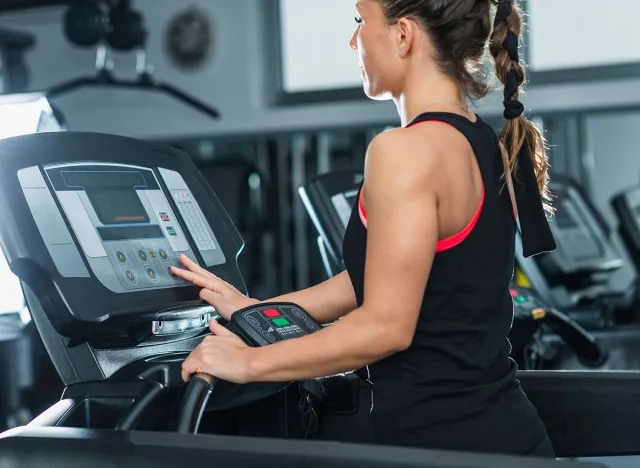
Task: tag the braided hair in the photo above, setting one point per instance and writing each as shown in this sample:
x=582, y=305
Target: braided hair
x=460, y=31
x=518, y=130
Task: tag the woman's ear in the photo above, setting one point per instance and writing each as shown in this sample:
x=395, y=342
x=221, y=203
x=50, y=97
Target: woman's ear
x=405, y=30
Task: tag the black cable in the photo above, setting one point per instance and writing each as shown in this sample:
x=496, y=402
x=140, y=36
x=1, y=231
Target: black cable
x=137, y=409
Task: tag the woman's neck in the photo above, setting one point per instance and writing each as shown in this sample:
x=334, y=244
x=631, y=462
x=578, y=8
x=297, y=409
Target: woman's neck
x=426, y=93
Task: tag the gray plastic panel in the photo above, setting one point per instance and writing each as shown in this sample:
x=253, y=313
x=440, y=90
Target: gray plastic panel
x=31, y=177
x=68, y=261
x=158, y=204
x=194, y=218
x=82, y=225
x=50, y=224
x=47, y=217
x=103, y=270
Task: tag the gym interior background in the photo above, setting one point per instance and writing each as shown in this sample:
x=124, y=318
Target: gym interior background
x=286, y=87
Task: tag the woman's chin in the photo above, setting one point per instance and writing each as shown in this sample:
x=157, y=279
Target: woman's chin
x=374, y=94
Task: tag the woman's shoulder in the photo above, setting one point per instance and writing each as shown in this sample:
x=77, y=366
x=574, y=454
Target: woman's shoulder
x=400, y=158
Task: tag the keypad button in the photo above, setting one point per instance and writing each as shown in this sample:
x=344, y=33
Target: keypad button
x=142, y=255
x=163, y=254
x=122, y=258
x=130, y=276
x=151, y=273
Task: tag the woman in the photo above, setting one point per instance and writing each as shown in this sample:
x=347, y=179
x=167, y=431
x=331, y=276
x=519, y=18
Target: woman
x=431, y=310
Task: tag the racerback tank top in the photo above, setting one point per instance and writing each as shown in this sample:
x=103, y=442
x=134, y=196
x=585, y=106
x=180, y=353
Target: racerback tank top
x=455, y=387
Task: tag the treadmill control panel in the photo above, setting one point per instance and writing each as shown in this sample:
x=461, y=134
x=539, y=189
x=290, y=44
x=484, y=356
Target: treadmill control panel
x=526, y=304
x=632, y=199
x=343, y=204
x=269, y=323
x=126, y=228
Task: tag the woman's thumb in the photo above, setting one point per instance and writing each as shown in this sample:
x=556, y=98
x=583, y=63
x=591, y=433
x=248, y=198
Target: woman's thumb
x=218, y=329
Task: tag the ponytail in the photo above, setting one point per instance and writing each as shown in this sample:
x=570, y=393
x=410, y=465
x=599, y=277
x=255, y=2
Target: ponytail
x=518, y=130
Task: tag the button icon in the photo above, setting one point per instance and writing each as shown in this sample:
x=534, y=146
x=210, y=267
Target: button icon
x=142, y=255
x=271, y=313
x=164, y=217
x=171, y=230
x=152, y=254
x=130, y=276
x=163, y=254
x=151, y=273
x=121, y=257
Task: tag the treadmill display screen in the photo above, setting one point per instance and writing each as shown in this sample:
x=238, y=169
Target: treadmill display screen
x=118, y=206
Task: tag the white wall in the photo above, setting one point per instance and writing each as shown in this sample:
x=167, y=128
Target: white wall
x=565, y=34
x=614, y=143
x=312, y=59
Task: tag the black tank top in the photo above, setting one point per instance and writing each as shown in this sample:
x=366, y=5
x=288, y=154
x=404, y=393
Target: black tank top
x=455, y=387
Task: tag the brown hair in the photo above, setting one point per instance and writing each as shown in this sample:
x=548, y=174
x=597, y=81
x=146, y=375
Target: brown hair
x=459, y=31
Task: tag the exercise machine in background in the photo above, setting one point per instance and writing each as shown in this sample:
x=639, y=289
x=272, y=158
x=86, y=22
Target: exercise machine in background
x=117, y=26
x=329, y=199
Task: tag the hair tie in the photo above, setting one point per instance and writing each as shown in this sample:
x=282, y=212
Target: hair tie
x=505, y=8
x=513, y=109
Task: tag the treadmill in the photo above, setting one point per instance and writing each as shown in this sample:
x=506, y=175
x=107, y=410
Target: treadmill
x=576, y=276
x=626, y=206
x=92, y=224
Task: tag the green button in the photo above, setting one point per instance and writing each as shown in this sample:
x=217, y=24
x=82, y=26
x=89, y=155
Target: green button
x=280, y=322
x=521, y=299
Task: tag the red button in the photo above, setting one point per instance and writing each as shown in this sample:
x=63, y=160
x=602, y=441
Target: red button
x=515, y=293
x=271, y=313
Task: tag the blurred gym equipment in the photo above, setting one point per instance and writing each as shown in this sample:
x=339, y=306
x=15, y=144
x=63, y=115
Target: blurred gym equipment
x=119, y=27
x=14, y=74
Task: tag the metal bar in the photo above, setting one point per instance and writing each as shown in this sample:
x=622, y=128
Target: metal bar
x=301, y=239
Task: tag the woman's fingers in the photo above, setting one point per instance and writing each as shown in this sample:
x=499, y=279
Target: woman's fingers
x=195, y=278
x=193, y=266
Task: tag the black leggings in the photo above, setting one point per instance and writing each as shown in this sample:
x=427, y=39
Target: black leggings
x=544, y=449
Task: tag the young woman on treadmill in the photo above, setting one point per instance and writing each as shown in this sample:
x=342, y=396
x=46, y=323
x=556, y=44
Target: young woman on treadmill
x=429, y=249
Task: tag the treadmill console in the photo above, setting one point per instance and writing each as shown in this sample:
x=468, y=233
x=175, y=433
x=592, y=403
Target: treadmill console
x=128, y=232
x=627, y=208
x=94, y=222
x=583, y=246
x=329, y=200
x=266, y=323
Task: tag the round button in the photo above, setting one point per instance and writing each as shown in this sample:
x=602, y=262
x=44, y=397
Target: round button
x=269, y=337
x=298, y=313
x=130, y=276
x=152, y=274
x=170, y=273
x=142, y=254
x=163, y=254
x=121, y=257
x=253, y=322
x=312, y=326
x=152, y=254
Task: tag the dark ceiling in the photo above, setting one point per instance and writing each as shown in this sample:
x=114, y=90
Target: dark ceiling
x=6, y=5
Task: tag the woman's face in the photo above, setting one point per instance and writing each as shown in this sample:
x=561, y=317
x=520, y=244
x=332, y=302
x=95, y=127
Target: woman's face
x=378, y=49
